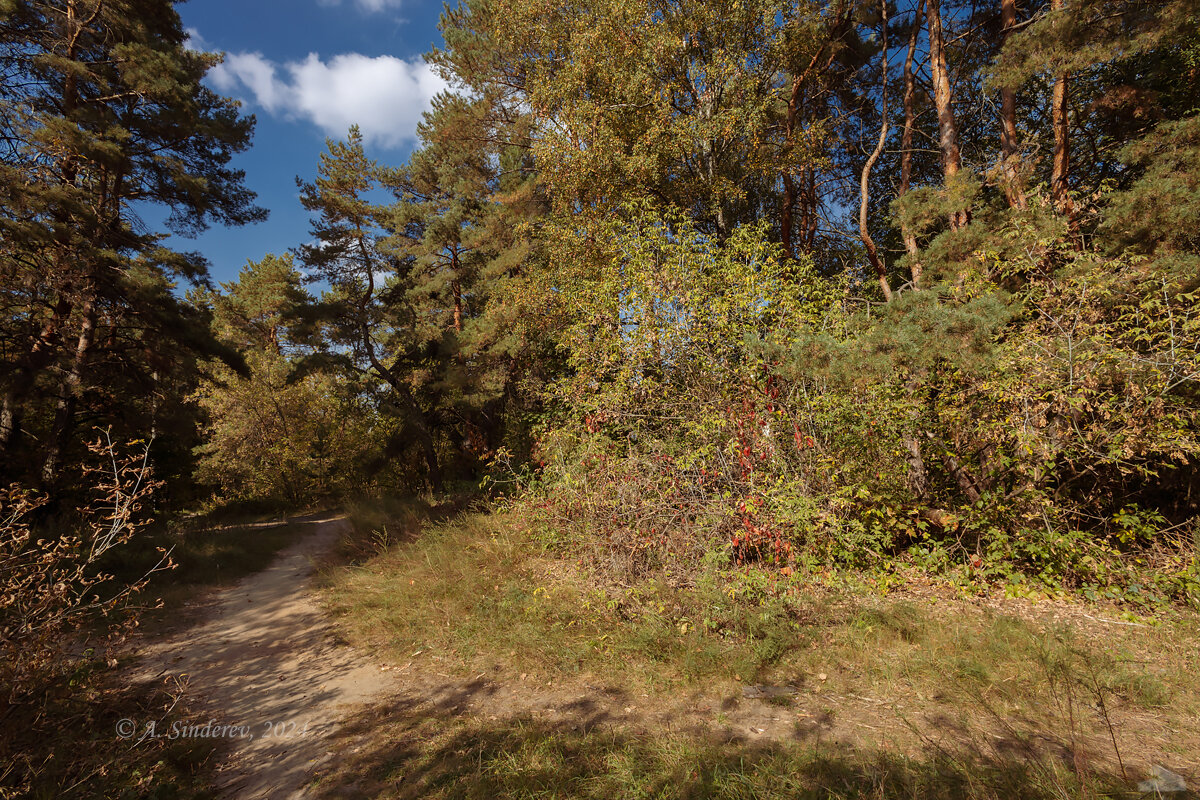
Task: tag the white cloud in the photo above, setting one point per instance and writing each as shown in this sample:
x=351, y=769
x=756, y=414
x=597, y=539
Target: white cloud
x=384, y=96
x=194, y=40
x=370, y=6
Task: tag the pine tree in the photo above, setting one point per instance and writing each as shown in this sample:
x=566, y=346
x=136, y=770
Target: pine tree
x=260, y=307
x=101, y=109
x=462, y=203
x=367, y=307
x=271, y=433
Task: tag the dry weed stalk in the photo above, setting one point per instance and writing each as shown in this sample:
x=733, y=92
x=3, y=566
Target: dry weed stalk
x=53, y=584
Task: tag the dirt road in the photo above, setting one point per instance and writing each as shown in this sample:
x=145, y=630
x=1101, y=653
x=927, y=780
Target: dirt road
x=268, y=662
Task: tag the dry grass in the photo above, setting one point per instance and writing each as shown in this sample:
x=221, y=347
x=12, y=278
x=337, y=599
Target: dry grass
x=1058, y=685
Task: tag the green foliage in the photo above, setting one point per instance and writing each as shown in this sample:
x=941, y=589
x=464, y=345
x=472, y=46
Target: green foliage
x=425, y=292
x=1159, y=212
x=717, y=395
x=276, y=433
x=300, y=441
x=103, y=113
x=717, y=399
x=669, y=309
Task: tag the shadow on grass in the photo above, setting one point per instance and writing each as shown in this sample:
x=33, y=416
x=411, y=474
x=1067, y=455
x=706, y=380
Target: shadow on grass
x=378, y=523
x=206, y=557
x=428, y=749
x=80, y=747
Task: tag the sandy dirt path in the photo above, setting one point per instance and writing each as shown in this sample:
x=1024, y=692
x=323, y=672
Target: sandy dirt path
x=269, y=662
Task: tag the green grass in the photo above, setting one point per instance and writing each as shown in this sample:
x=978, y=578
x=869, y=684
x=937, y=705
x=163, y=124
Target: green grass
x=478, y=587
x=380, y=522
x=479, y=593
x=411, y=751
x=205, y=558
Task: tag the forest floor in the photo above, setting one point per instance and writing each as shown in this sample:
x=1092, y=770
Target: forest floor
x=479, y=668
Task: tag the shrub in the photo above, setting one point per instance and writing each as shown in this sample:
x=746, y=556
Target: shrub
x=54, y=589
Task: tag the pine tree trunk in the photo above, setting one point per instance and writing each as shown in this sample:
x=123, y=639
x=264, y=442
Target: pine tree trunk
x=906, y=145
x=965, y=480
x=429, y=450
x=8, y=429
x=1009, y=154
x=787, y=203
x=416, y=418
x=24, y=377
x=869, y=243
x=10, y=412
x=64, y=415
x=456, y=290
x=1060, y=119
x=789, y=186
x=810, y=210
x=918, y=479
x=943, y=99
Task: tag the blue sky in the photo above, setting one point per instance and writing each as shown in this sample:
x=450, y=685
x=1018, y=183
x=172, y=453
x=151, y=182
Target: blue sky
x=307, y=69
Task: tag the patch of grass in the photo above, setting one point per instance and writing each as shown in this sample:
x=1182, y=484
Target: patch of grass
x=221, y=557
x=412, y=751
x=468, y=587
x=73, y=748
x=902, y=620
x=478, y=588
x=380, y=522
x=479, y=593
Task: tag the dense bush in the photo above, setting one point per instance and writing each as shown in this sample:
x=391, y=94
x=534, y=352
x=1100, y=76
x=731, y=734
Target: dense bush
x=295, y=442
x=1031, y=416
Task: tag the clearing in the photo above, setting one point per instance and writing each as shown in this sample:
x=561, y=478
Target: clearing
x=467, y=662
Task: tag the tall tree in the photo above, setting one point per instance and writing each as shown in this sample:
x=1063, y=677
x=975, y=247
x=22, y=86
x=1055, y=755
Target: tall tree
x=906, y=141
x=272, y=434
x=873, y=255
x=462, y=202
x=943, y=97
x=102, y=111
x=367, y=305
x=1009, y=146
x=1060, y=120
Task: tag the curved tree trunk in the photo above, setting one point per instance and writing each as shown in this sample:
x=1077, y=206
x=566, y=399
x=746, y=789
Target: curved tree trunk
x=1009, y=152
x=943, y=99
x=864, y=183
